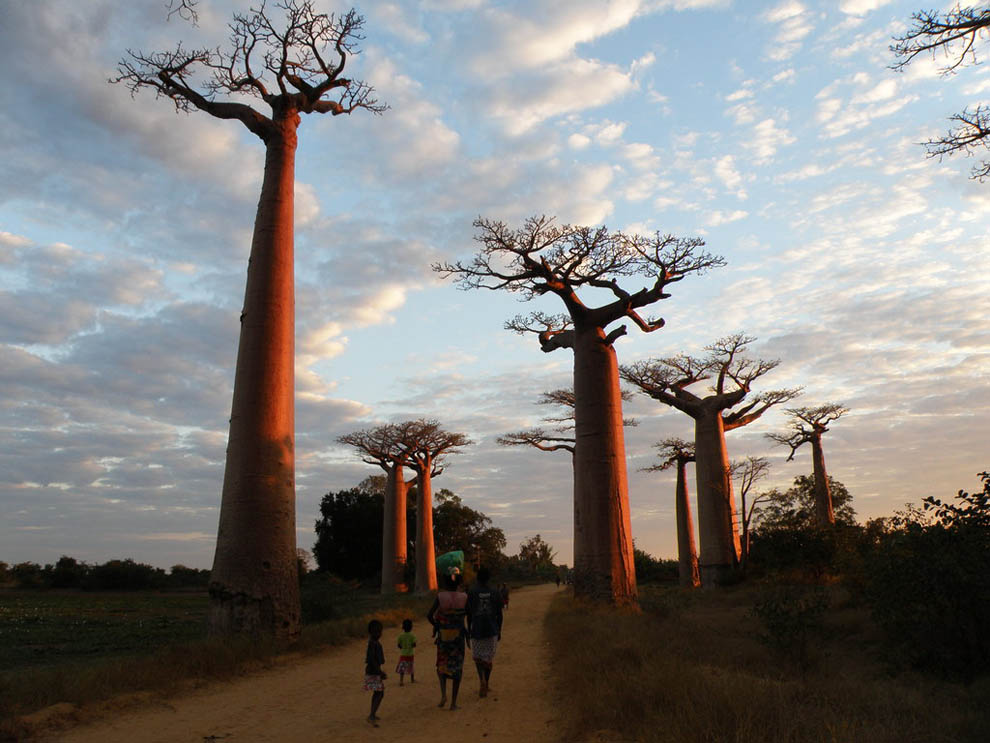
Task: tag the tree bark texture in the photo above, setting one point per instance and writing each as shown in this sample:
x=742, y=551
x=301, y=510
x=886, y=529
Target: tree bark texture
x=824, y=514
x=254, y=586
x=603, y=548
x=687, y=553
x=394, y=532
x=426, y=555
x=717, y=522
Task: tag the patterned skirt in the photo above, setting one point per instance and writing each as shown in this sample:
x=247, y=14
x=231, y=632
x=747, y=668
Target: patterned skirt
x=405, y=664
x=450, y=653
x=483, y=650
x=373, y=682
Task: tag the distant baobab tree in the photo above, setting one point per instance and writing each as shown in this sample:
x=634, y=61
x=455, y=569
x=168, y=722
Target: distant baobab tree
x=675, y=452
x=542, y=258
x=293, y=69
x=387, y=446
x=954, y=33
x=667, y=380
x=748, y=472
x=808, y=425
x=428, y=446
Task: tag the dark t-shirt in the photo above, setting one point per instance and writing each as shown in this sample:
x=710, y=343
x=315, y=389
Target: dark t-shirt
x=374, y=659
x=484, y=608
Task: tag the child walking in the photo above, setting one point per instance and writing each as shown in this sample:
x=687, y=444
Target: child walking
x=407, y=653
x=374, y=673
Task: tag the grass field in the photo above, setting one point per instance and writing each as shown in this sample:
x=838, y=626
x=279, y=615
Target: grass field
x=81, y=647
x=692, y=668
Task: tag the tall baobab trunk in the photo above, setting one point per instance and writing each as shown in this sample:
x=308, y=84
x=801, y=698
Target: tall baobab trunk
x=257, y=511
x=687, y=553
x=394, y=532
x=824, y=514
x=603, y=548
x=717, y=523
x=426, y=554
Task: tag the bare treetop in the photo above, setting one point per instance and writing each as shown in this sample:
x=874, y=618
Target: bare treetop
x=540, y=438
x=428, y=444
x=749, y=471
x=954, y=33
x=806, y=424
x=382, y=445
x=672, y=451
x=295, y=67
x=668, y=379
x=543, y=257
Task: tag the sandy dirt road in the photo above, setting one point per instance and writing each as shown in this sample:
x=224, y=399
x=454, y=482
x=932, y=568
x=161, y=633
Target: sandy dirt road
x=319, y=698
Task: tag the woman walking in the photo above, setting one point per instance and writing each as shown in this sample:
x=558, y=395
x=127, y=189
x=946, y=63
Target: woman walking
x=447, y=617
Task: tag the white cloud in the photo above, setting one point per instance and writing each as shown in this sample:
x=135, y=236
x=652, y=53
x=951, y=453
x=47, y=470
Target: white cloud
x=719, y=217
x=725, y=171
x=793, y=23
x=578, y=141
x=860, y=7
x=767, y=138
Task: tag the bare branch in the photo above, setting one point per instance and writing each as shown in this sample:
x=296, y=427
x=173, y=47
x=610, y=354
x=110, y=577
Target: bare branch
x=539, y=438
x=671, y=451
x=807, y=424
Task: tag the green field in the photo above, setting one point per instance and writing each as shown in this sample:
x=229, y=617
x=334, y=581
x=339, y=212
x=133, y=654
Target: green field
x=42, y=628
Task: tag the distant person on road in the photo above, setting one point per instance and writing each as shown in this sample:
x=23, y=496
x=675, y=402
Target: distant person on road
x=374, y=673
x=558, y=580
x=447, y=617
x=484, y=618
x=503, y=591
x=407, y=653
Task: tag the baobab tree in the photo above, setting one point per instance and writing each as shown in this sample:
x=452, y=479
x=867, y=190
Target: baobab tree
x=542, y=258
x=428, y=445
x=295, y=68
x=387, y=446
x=954, y=33
x=675, y=452
x=667, y=380
x=807, y=425
x=748, y=472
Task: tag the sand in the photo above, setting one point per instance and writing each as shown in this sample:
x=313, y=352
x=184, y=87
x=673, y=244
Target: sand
x=319, y=697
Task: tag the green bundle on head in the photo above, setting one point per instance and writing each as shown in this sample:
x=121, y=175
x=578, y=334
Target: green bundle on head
x=451, y=563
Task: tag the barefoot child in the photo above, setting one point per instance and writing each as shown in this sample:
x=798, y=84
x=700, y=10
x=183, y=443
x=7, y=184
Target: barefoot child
x=374, y=673
x=407, y=653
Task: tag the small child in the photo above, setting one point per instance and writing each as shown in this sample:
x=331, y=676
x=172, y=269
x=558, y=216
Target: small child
x=407, y=653
x=374, y=673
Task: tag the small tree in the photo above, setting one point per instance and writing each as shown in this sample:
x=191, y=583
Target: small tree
x=954, y=33
x=296, y=68
x=748, y=472
x=807, y=425
x=667, y=380
x=675, y=452
x=458, y=527
x=544, y=258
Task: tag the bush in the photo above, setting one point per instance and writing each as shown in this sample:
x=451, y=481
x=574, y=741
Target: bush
x=927, y=583
x=791, y=617
x=123, y=575
x=649, y=569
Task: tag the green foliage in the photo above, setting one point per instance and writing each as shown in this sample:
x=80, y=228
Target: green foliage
x=791, y=617
x=927, y=583
x=649, y=569
x=114, y=575
x=349, y=532
x=795, y=508
x=458, y=527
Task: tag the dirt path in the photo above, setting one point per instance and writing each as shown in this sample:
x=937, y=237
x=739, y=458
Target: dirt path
x=319, y=698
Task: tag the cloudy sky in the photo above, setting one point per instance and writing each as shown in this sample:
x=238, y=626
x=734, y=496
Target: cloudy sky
x=774, y=130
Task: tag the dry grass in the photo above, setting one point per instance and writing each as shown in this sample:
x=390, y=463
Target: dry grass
x=690, y=668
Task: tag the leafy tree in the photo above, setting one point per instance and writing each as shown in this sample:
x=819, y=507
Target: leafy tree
x=954, y=33
x=794, y=508
x=294, y=68
x=68, y=573
x=537, y=552
x=675, y=452
x=650, y=569
x=349, y=534
x=459, y=527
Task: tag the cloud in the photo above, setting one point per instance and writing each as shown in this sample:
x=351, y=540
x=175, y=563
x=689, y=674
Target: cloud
x=793, y=24
x=767, y=138
x=860, y=7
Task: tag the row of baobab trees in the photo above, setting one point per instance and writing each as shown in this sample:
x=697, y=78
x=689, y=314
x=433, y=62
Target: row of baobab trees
x=295, y=66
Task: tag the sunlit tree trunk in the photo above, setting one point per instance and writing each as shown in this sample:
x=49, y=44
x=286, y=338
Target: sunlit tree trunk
x=394, y=531
x=687, y=553
x=254, y=585
x=824, y=514
x=603, y=548
x=717, y=522
x=426, y=555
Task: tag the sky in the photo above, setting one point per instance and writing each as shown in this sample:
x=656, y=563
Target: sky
x=776, y=131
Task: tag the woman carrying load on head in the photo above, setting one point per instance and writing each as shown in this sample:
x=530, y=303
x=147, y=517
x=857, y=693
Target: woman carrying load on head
x=447, y=615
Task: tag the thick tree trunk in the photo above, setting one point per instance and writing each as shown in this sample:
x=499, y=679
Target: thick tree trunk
x=394, y=532
x=824, y=515
x=426, y=555
x=254, y=586
x=717, y=524
x=687, y=553
x=603, y=548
